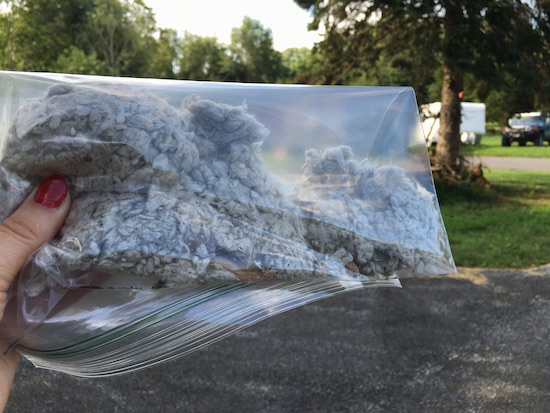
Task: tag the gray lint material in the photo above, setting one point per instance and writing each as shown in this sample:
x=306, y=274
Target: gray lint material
x=181, y=195
x=371, y=219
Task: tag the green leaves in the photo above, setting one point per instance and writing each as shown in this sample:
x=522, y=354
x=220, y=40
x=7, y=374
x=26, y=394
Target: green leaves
x=201, y=58
x=252, y=56
x=120, y=38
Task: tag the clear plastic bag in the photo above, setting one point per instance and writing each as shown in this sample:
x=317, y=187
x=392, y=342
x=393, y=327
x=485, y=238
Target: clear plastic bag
x=200, y=208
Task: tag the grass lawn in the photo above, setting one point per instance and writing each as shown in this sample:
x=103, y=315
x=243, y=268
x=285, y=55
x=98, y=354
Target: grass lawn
x=490, y=146
x=507, y=226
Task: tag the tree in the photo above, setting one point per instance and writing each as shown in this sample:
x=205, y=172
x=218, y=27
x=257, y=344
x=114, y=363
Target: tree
x=487, y=38
x=301, y=65
x=43, y=30
x=201, y=58
x=74, y=60
x=252, y=57
x=121, y=32
x=84, y=36
x=7, y=41
x=163, y=56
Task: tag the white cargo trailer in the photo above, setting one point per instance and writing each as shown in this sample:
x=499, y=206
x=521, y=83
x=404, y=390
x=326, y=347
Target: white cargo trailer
x=472, y=126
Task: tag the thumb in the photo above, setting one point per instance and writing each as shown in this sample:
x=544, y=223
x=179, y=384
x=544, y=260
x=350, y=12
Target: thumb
x=34, y=223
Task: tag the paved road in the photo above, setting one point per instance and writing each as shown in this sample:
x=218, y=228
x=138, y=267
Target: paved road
x=500, y=162
x=474, y=342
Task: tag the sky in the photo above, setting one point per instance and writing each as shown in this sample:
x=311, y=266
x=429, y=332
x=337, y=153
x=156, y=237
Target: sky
x=287, y=21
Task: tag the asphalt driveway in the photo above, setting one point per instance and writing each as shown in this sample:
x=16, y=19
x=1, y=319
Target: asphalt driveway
x=473, y=342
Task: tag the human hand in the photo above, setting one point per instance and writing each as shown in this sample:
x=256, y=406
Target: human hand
x=34, y=223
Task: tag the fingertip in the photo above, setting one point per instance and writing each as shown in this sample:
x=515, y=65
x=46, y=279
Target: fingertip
x=51, y=192
x=36, y=221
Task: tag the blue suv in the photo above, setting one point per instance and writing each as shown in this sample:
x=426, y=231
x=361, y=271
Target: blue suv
x=523, y=127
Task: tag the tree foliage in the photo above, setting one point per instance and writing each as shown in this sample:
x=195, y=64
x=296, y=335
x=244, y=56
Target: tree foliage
x=163, y=56
x=44, y=30
x=301, y=65
x=201, y=58
x=108, y=36
x=120, y=33
x=251, y=53
x=121, y=38
x=75, y=60
x=7, y=36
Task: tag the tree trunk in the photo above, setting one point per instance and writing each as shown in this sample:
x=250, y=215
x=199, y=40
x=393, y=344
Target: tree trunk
x=448, y=148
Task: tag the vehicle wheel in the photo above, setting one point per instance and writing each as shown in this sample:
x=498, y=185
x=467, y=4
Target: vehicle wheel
x=522, y=142
x=505, y=141
x=539, y=140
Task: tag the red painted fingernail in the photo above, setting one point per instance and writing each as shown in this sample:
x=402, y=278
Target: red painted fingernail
x=51, y=192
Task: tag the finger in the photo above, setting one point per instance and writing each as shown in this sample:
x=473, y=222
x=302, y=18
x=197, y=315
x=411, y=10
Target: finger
x=8, y=367
x=34, y=223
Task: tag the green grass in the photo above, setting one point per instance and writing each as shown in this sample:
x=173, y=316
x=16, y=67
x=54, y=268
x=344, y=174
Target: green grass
x=507, y=226
x=490, y=145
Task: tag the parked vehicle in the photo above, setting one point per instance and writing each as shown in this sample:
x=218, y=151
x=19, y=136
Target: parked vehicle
x=472, y=125
x=527, y=127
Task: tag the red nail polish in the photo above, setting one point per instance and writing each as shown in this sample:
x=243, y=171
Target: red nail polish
x=51, y=192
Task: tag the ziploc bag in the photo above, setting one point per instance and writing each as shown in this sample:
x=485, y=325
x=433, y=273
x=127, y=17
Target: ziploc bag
x=201, y=208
